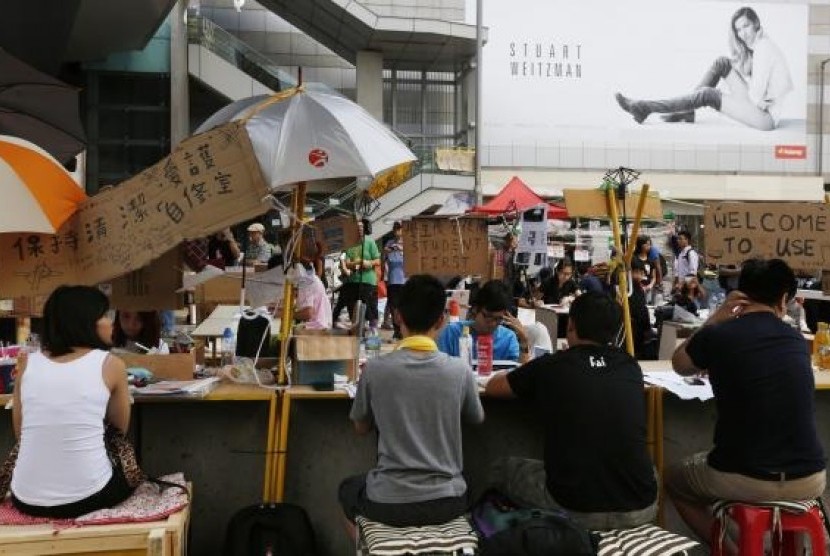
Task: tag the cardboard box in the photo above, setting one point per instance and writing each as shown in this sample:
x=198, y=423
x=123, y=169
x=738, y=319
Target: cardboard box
x=174, y=366
x=317, y=358
x=222, y=290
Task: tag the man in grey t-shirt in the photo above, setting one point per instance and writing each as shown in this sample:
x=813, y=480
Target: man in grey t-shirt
x=418, y=397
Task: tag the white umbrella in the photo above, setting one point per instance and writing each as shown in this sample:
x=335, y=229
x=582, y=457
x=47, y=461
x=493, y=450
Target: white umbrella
x=305, y=135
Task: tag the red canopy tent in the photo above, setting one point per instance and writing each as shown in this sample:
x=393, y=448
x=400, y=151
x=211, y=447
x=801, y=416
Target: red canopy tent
x=518, y=192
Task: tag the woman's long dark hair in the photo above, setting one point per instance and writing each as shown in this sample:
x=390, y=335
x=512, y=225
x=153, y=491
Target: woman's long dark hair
x=150, y=330
x=70, y=319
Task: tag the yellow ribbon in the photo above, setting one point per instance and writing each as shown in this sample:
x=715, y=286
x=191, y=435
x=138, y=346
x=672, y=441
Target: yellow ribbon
x=418, y=343
x=273, y=99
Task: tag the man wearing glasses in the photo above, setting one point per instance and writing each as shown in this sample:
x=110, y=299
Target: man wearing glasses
x=490, y=315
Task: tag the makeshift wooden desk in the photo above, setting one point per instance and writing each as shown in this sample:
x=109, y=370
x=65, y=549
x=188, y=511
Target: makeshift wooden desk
x=222, y=317
x=224, y=392
x=654, y=431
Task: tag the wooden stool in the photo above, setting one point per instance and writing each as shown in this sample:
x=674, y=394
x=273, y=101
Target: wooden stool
x=156, y=538
x=453, y=537
x=784, y=520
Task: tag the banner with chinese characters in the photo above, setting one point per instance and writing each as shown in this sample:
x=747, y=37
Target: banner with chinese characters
x=211, y=180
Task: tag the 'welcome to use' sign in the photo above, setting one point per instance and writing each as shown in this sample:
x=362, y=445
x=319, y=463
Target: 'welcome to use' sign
x=795, y=232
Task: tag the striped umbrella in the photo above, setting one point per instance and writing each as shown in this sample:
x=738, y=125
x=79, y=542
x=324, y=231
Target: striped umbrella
x=38, y=194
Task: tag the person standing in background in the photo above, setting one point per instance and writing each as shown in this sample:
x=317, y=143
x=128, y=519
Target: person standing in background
x=687, y=261
x=223, y=249
x=359, y=265
x=395, y=276
x=259, y=250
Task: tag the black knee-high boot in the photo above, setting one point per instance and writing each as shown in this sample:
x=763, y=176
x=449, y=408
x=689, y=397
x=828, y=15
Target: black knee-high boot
x=640, y=109
x=719, y=69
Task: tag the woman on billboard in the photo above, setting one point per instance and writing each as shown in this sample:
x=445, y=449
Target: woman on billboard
x=756, y=74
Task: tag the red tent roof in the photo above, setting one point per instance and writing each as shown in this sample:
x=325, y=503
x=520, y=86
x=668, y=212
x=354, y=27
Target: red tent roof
x=517, y=191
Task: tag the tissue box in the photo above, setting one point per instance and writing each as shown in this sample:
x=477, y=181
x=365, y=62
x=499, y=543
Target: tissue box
x=318, y=358
x=172, y=366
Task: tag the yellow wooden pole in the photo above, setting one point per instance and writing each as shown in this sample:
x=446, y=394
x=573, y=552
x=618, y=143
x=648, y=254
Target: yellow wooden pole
x=298, y=208
x=270, y=460
x=622, y=274
x=635, y=230
x=278, y=483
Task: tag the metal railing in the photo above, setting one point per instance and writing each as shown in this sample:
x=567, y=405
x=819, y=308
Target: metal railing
x=230, y=48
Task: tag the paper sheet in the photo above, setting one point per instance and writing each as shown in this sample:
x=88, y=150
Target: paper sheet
x=679, y=386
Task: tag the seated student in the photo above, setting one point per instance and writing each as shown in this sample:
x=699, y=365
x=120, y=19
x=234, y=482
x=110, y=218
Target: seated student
x=416, y=397
x=312, y=308
x=590, y=399
x=766, y=446
x=489, y=309
x=136, y=327
x=561, y=286
x=62, y=396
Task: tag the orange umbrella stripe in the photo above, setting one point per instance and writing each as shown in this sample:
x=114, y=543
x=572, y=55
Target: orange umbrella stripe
x=55, y=191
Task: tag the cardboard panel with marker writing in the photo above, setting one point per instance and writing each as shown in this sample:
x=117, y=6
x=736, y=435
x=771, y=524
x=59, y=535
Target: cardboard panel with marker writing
x=446, y=246
x=799, y=233
x=210, y=181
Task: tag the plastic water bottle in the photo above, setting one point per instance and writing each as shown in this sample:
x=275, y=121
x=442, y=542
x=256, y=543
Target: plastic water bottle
x=228, y=347
x=821, y=347
x=465, y=346
x=372, y=345
x=484, y=352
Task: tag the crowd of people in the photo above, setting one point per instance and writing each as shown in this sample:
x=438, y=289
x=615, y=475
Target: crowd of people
x=595, y=464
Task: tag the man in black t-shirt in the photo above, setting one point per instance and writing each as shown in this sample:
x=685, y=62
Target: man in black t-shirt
x=765, y=446
x=591, y=400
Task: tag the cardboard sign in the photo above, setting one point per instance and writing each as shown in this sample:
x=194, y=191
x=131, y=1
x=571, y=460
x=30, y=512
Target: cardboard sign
x=336, y=234
x=446, y=246
x=533, y=241
x=593, y=203
x=211, y=181
x=151, y=288
x=795, y=232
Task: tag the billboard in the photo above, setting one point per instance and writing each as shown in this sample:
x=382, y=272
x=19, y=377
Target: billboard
x=552, y=70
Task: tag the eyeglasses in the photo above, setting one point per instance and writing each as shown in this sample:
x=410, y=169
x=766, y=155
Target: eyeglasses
x=496, y=318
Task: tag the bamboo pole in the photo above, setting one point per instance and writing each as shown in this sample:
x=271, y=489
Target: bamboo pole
x=635, y=230
x=298, y=210
x=622, y=274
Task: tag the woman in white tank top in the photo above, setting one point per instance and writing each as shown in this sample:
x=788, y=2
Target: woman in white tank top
x=62, y=397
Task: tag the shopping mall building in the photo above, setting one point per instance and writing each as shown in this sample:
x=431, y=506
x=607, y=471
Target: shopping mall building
x=550, y=72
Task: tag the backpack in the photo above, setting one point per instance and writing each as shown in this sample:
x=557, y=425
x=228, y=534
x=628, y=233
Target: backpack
x=664, y=266
x=507, y=530
x=701, y=263
x=270, y=530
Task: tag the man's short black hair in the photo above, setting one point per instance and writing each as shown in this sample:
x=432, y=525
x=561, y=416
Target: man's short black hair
x=70, y=319
x=686, y=234
x=766, y=280
x=596, y=316
x=367, y=226
x=421, y=302
x=493, y=296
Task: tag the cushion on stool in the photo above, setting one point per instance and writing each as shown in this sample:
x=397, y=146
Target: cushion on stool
x=384, y=540
x=782, y=518
x=645, y=539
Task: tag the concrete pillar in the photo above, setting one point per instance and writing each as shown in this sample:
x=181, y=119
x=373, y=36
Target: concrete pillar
x=179, y=75
x=369, y=68
x=468, y=88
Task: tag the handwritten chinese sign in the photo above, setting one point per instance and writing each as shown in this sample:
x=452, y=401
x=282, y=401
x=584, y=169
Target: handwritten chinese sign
x=446, y=246
x=210, y=181
x=799, y=233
